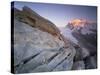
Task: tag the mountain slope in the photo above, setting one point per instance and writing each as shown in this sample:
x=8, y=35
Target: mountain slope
x=83, y=36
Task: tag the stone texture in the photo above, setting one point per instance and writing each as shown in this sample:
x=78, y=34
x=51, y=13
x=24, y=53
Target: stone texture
x=37, y=49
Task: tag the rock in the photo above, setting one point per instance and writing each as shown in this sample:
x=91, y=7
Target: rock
x=37, y=49
x=91, y=62
x=40, y=22
x=66, y=64
x=81, y=52
x=78, y=65
x=33, y=19
x=78, y=55
x=62, y=62
x=25, y=39
x=85, y=53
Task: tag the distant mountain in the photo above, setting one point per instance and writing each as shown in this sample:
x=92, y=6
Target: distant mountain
x=83, y=36
x=86, y=29
x=83, y=26
x=85, y=32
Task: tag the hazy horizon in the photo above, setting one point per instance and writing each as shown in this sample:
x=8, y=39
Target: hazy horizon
x=61, y=14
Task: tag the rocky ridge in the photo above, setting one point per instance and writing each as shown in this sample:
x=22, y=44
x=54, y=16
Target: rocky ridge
x=38, y=44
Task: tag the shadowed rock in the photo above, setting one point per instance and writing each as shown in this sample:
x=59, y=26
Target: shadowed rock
x=78, y=65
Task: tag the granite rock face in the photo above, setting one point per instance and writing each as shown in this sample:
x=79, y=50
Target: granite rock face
x=38, y=44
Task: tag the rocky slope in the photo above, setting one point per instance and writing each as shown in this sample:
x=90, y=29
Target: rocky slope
x=83, y=36
x=38, y=44
x=85, y=31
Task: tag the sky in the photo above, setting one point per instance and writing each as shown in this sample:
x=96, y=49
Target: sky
x=61, y=14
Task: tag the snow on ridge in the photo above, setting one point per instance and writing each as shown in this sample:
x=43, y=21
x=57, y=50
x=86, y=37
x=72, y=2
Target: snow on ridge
x=68, y=34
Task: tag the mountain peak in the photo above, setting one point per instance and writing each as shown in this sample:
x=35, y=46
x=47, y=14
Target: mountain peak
x=78, y=22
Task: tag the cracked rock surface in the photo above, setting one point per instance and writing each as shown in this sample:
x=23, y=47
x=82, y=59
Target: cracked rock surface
x=37, y=49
